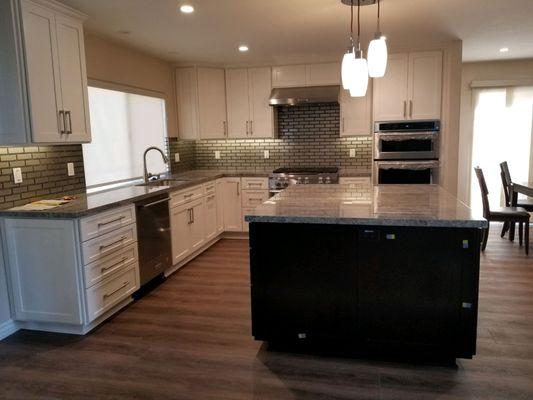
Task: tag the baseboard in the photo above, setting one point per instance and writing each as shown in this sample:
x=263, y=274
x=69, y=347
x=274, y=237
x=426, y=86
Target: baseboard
x=235, y=235
x=8, y=328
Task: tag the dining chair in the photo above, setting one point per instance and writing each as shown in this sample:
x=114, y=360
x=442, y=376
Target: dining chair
x=510, y=215
x=507, y=182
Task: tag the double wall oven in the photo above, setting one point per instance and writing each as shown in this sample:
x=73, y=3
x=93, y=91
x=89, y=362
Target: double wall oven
x=406, y=152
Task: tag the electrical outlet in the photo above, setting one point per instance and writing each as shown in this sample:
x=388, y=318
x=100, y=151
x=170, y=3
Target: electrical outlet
x=352, y=153
x=217, y=155
x=177, y=157
x=70, y=169
x=266, y=153
x=17, y=175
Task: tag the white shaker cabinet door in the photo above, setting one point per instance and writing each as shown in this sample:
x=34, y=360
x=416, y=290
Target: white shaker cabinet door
x=197, y=227
x=187, y=99
x=390, y=92
x=212, y=103
x=232, y=205
x=42, y=65
x=73, y=79
x=46, y=277
x=237, y=103
x=180, y=219
x=261, y=114
x=356, y=114
x=425, y=85
x=220, y=205
x=211, y=221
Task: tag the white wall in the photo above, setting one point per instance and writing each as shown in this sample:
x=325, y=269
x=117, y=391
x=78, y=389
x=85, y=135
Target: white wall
x=485, y=71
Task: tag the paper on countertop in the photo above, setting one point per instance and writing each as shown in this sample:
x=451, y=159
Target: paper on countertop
x=41, y=205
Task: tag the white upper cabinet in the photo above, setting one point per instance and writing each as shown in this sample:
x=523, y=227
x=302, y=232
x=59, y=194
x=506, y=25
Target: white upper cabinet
x=212, y=103
x=248, y=92
x=187, y=99
x=356, y=113
x=238, y=103
x=411, y=88
x=425, y=89
x=288, y=76
x=323, y=74
x=56, y=75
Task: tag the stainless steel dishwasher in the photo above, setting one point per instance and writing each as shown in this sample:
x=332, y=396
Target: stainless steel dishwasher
x=153, y=231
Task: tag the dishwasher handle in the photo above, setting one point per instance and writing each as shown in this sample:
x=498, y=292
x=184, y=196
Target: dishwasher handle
x=153, y=203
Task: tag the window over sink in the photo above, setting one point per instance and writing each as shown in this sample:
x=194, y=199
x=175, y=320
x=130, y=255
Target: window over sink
x=123, y=125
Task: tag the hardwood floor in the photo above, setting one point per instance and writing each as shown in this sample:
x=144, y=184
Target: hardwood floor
x=190, y=339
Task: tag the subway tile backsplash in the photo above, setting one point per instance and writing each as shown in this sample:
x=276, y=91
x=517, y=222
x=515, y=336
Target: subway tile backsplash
x=307, y=136
x=44, y=173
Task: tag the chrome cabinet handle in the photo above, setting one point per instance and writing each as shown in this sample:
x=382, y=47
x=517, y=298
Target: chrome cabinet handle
x=104, y=269
x=247, y=128
x=342, y=128
x=192, y=213
x=111, y=221
x=189, y=210
x=410, y=108
x=125, y=284
x=210, y=197
x=238, y=192
x=155, y=202
x=104, y=246
x=225, y=128
x=62, y=122
x=69, y=129
x=404, y=108
x=251, y=128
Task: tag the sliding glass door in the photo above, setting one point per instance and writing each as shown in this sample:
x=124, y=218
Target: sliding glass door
x=503, y=122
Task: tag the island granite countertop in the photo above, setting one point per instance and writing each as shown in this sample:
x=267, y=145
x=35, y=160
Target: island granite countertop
x=92, y=203
x=364, y=204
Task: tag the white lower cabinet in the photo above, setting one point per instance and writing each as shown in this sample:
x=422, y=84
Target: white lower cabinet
x=220, y=205
x=211, y=220
x=197, y=225
x=62, y=283
x=231, y=198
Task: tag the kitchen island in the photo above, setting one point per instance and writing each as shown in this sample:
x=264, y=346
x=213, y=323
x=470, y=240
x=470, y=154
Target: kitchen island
x=384, y=269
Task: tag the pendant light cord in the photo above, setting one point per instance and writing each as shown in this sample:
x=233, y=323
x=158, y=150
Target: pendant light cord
x=358, y=20
x=351, y=22
x=378, y=16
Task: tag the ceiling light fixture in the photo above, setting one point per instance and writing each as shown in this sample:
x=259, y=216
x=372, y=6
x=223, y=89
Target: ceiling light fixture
x=504, y=49
x=377, y=53
x=243, y=48
x=359, y=76
x=187, y=9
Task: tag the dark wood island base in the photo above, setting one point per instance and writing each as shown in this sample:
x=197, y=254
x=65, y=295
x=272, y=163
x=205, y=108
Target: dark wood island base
x=365, y=290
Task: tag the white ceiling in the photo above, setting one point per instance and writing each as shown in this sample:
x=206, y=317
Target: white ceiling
x=285, y=31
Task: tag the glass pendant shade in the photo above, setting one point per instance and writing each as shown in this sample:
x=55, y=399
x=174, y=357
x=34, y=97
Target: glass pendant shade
x=377, y=57
x=347, y=69
x=359, y=82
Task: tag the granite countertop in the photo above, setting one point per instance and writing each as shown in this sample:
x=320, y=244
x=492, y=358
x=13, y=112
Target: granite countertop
x=92, y=203
x=363, y=204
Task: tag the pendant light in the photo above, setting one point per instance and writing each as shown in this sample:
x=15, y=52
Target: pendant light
x=359, y=79
x=377, y=53
x=348, y=61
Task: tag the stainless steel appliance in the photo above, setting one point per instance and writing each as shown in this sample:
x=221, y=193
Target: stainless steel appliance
x=296, y=96
x=406, y=152
x=153, y=231
x=281, y=178
x=406, y=140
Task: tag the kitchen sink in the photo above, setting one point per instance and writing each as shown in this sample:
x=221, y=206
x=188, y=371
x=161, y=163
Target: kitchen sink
x=163, y=182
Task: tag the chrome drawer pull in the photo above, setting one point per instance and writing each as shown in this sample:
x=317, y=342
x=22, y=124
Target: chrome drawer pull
x=107, y=295
x=210, y=197
x=111, y=221
x=104, y=269
x=103, y=246
x=188, y=195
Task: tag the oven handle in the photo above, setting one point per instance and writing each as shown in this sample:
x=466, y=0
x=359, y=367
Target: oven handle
x=406, y=136
x=407, y=164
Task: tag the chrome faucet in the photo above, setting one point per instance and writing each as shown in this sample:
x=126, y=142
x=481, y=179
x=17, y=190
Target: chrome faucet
x=147, y=176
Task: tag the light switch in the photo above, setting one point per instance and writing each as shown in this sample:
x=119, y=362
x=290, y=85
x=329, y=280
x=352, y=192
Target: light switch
x=352, y=153
x=217, y=155
x=266, y=153
x=177, y=157
x=70, y=169
x=17, y=175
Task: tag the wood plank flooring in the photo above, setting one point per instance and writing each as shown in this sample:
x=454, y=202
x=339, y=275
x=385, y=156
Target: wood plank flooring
x=190, y=339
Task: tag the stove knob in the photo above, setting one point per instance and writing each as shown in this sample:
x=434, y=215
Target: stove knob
x=299, y=181
x=306, y=180
x=328, y=180
x=320, y=180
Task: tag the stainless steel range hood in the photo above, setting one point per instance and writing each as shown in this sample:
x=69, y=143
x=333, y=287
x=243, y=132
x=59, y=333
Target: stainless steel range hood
x=304, y=95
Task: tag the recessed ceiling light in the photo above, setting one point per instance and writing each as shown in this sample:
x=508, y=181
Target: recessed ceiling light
x=243, y=48
x=187, y=9
x=504, y=49
x=124, y=32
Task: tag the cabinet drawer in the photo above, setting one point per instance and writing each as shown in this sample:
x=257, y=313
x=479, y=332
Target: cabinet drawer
x=104, y=245
x=96, y=225
x=354, y=181
x=106, y=294
x=253, y=198
x=254, y=183
x=210, y=187
x=184, y=196
x=101, y=269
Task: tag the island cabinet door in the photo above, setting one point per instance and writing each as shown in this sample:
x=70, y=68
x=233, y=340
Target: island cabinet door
x=303, y=282
x=412, y=287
